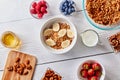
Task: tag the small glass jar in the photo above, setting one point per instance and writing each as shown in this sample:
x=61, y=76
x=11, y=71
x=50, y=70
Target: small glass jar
x=10, y=40
x=90, y=38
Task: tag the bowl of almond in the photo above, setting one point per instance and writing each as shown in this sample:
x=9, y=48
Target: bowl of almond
x=58, y=35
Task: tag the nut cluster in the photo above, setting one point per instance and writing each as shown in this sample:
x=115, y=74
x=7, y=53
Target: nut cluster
x=20, y=68
x=115, y=41
x=51, y=75
x=105, y=12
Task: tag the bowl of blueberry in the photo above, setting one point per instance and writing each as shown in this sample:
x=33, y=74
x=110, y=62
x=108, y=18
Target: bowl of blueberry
x=67, y=7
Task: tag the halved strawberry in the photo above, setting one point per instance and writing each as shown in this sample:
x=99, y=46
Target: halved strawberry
x=98, y=73
x=93, y=78
x=84, y=73
x=96, y=66
x=91, y=72
x=86, y=66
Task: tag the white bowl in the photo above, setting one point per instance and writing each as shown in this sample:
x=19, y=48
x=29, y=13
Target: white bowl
x=50, y=22
x=90, y=61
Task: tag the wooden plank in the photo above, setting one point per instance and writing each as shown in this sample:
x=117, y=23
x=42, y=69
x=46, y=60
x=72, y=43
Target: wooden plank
x=12, y=75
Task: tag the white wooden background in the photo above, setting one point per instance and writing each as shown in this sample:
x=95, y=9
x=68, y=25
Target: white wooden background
x=15, y=16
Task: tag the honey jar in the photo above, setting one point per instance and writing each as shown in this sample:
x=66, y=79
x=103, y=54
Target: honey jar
x=10, y=40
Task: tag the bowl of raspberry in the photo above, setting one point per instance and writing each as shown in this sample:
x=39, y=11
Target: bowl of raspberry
x=38, y=9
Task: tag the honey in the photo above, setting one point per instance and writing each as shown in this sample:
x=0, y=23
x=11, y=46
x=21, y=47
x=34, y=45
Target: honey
x=10, y=40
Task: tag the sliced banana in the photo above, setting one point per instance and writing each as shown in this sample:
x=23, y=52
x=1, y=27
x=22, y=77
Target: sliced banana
x=65, y=43
x=62, y=32
x=47, y=32
x=56, y=27
x=50, y=42
x=70, y=33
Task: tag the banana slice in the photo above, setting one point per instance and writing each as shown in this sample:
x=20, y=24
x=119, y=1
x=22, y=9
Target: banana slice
x=47, y=32
x=70, y=33
x=56, y=27
x=50, y=42
x=65, y=43
x=62, y=32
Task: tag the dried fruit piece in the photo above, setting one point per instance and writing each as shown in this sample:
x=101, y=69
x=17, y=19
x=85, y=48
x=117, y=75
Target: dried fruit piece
x=56, y=27
x=25, y=72
x=27, y=62
x=62, y=32
x=50, y=42
x=29, y=67
x=10, y=68
x=70, y=33
x=65, y=43
x=47, y=32
x=17, y=59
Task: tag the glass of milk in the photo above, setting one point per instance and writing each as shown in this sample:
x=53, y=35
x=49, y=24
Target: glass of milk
x=90, y=38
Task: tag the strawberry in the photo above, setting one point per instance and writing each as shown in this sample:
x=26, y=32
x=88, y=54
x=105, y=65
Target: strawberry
x=98, y=73
x=93, y=78
x=34, y=4
x=91, y=72
x=86, y=66
x=33, y=11
x=84, y=73
x=96, y=66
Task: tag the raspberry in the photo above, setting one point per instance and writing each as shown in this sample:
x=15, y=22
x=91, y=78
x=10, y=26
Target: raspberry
x=33, y=11
x=37, y=7
x=40, y=15
x=39, y=3
x=38, y=11
x=34, y=4
x=43, y=2
x=43, y=9
x=46, y=12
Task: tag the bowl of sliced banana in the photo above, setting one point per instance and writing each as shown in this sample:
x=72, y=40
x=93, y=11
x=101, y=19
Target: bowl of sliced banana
x=58, y=35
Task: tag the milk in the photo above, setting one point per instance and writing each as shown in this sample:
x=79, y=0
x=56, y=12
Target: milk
x=90, y=38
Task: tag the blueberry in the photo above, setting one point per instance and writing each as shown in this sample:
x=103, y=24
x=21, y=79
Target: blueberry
x=72, y=2
x=65, y=13
x=63, y=7
x=65, y=4
x=66, y=9
x=73, y=9
x=69, y=10
x=69, y=4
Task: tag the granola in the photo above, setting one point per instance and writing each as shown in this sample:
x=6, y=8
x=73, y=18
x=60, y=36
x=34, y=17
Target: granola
x=105, y=12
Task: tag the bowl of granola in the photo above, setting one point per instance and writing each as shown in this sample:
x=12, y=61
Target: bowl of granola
x=103, y=14
x=58, y=35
